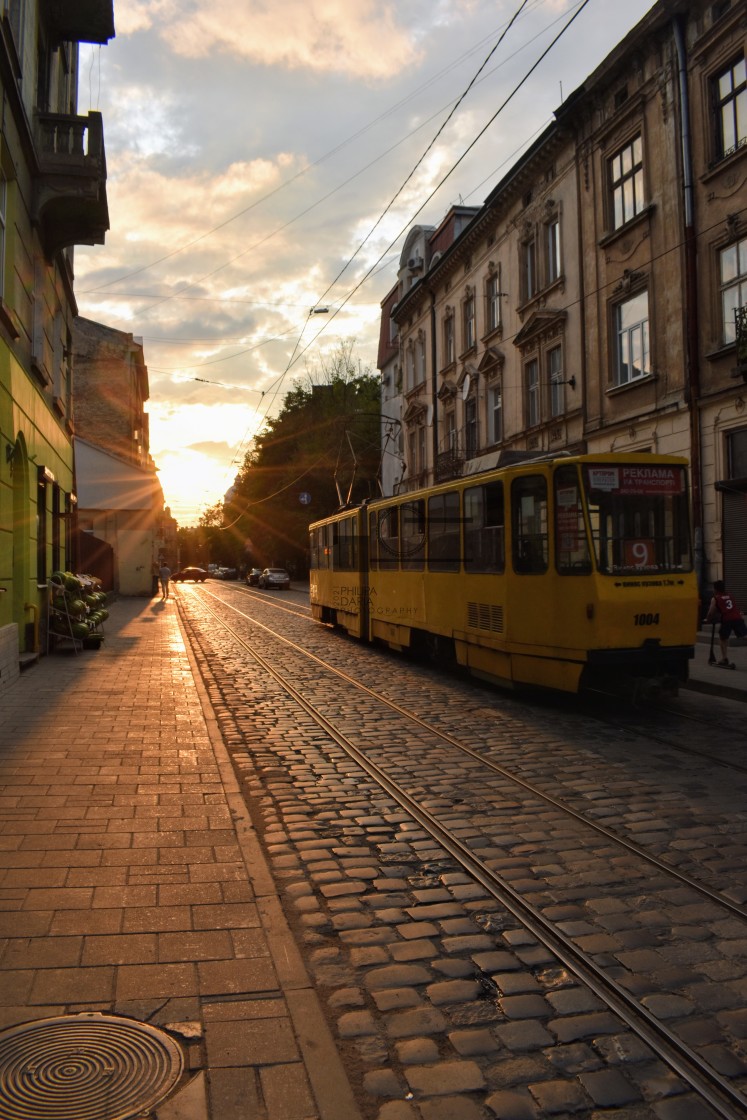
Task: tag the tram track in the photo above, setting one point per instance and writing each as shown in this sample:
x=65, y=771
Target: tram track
x=529, y=787
x=718, y=1091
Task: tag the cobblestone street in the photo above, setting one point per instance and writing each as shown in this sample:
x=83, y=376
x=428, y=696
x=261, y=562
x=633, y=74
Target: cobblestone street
x=188, y=846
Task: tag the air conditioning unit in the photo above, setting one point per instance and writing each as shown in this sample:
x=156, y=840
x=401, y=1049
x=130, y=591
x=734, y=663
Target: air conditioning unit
x=415, y=262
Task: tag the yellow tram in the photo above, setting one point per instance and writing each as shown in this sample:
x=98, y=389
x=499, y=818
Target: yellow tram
x=564, y=573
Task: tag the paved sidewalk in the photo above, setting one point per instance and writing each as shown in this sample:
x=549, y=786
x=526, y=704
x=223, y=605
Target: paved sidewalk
x=133, y=885
x=731, y=683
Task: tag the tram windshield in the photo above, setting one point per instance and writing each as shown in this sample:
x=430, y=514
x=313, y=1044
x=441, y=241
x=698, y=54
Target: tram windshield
x=639, y=517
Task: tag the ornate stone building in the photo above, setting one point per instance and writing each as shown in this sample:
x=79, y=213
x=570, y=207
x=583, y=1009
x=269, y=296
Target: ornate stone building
x=596, y=300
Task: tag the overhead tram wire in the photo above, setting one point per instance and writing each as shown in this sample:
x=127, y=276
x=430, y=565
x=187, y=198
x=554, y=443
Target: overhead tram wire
x=448, y=174
x=299, y=174
x=297, y=355
x=428, y=148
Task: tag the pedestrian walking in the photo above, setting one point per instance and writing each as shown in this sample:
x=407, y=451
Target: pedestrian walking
x=732, y=620
x=164, y=575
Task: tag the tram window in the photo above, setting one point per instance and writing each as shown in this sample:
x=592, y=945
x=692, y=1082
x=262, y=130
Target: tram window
x=345, y=550
x=529, y=524
x=639, y=517
x=313, y=554
x=484, y=528
x=373, y=542
x=443, y=532
x=412, y=524
x=572, y=555
x=388, y=534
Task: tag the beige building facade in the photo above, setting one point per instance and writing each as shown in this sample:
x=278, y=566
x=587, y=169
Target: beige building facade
x=595, y=301
x=120, y=499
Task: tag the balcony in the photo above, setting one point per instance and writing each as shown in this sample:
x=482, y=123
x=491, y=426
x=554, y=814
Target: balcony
x=79, y=21
x=70, y=205
x=449, y=464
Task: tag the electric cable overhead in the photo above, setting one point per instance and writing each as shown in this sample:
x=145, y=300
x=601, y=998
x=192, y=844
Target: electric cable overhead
x=450, y=172
x=297, y=355
x=303, y=171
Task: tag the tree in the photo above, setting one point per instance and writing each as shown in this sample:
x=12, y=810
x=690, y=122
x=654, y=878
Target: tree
x=321, y=450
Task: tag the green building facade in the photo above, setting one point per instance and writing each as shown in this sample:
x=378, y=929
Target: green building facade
x=52, y=197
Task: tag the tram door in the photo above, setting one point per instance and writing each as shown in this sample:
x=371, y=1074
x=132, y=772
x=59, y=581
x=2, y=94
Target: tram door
x=531, y=606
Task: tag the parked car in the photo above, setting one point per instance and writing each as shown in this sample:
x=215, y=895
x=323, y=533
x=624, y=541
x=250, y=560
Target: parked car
x=199, y=575
x=226, y=573
x=274, y=577
x=252, y=576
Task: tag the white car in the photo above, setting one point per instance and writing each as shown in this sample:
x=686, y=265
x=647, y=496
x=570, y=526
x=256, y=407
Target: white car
x=275, y=577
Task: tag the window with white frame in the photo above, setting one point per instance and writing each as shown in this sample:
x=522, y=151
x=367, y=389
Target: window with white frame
x=529, y=277
x=626, y=182
x=633, y=346
x=493, y=301
x=449, y=343
x=532, y=392
x=412, y=447
x=468, y=312
x=420, y=359
x=451, y=430
x=495, y=411
x=556, y=380
x=733, y=279
x=730, y=105
x=470, y=428
x=552, y=250
x=409, y=367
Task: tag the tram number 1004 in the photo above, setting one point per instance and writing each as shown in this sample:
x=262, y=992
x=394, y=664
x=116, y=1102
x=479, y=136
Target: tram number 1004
x=646, y=619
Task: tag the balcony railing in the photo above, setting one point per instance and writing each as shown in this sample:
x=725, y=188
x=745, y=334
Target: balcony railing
x=70, y=190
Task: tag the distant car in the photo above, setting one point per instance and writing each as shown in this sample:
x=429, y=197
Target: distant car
x=274, y=577
x=199, y=575
x=252, y=576
x=226, y=573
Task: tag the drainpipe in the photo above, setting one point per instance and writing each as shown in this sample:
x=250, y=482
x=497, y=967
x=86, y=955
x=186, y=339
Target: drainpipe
x=692, y=377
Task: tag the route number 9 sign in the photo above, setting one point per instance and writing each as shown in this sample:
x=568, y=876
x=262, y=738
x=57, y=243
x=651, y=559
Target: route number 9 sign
x=640, y=554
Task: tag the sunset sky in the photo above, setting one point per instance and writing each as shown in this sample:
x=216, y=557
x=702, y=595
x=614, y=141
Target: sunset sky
x=253, y=145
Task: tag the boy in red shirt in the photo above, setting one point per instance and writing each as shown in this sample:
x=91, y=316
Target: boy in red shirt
x=732, y=619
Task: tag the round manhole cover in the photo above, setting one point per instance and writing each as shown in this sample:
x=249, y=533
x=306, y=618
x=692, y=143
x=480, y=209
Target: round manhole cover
x=88, y=1066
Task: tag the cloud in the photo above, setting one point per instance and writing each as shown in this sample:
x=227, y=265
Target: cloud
x=330, y=36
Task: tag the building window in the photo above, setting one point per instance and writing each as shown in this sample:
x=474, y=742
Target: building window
x=626, y=182
x=470, y=335
x=632, y=338
x=451, y=431
x=493, y=300
x=556, y=380
x=532, y=388
x=730, y=97
x=470, y=428
x=552, y=250
x=733, y=278
x=529, y=278
x=449, y=345
x=495, y=407
x=736, y=451
x=409, y=367
x=412, y=449
x=420, y=359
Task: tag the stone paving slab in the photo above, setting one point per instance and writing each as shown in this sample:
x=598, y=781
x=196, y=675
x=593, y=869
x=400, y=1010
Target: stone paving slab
x=132, y=881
